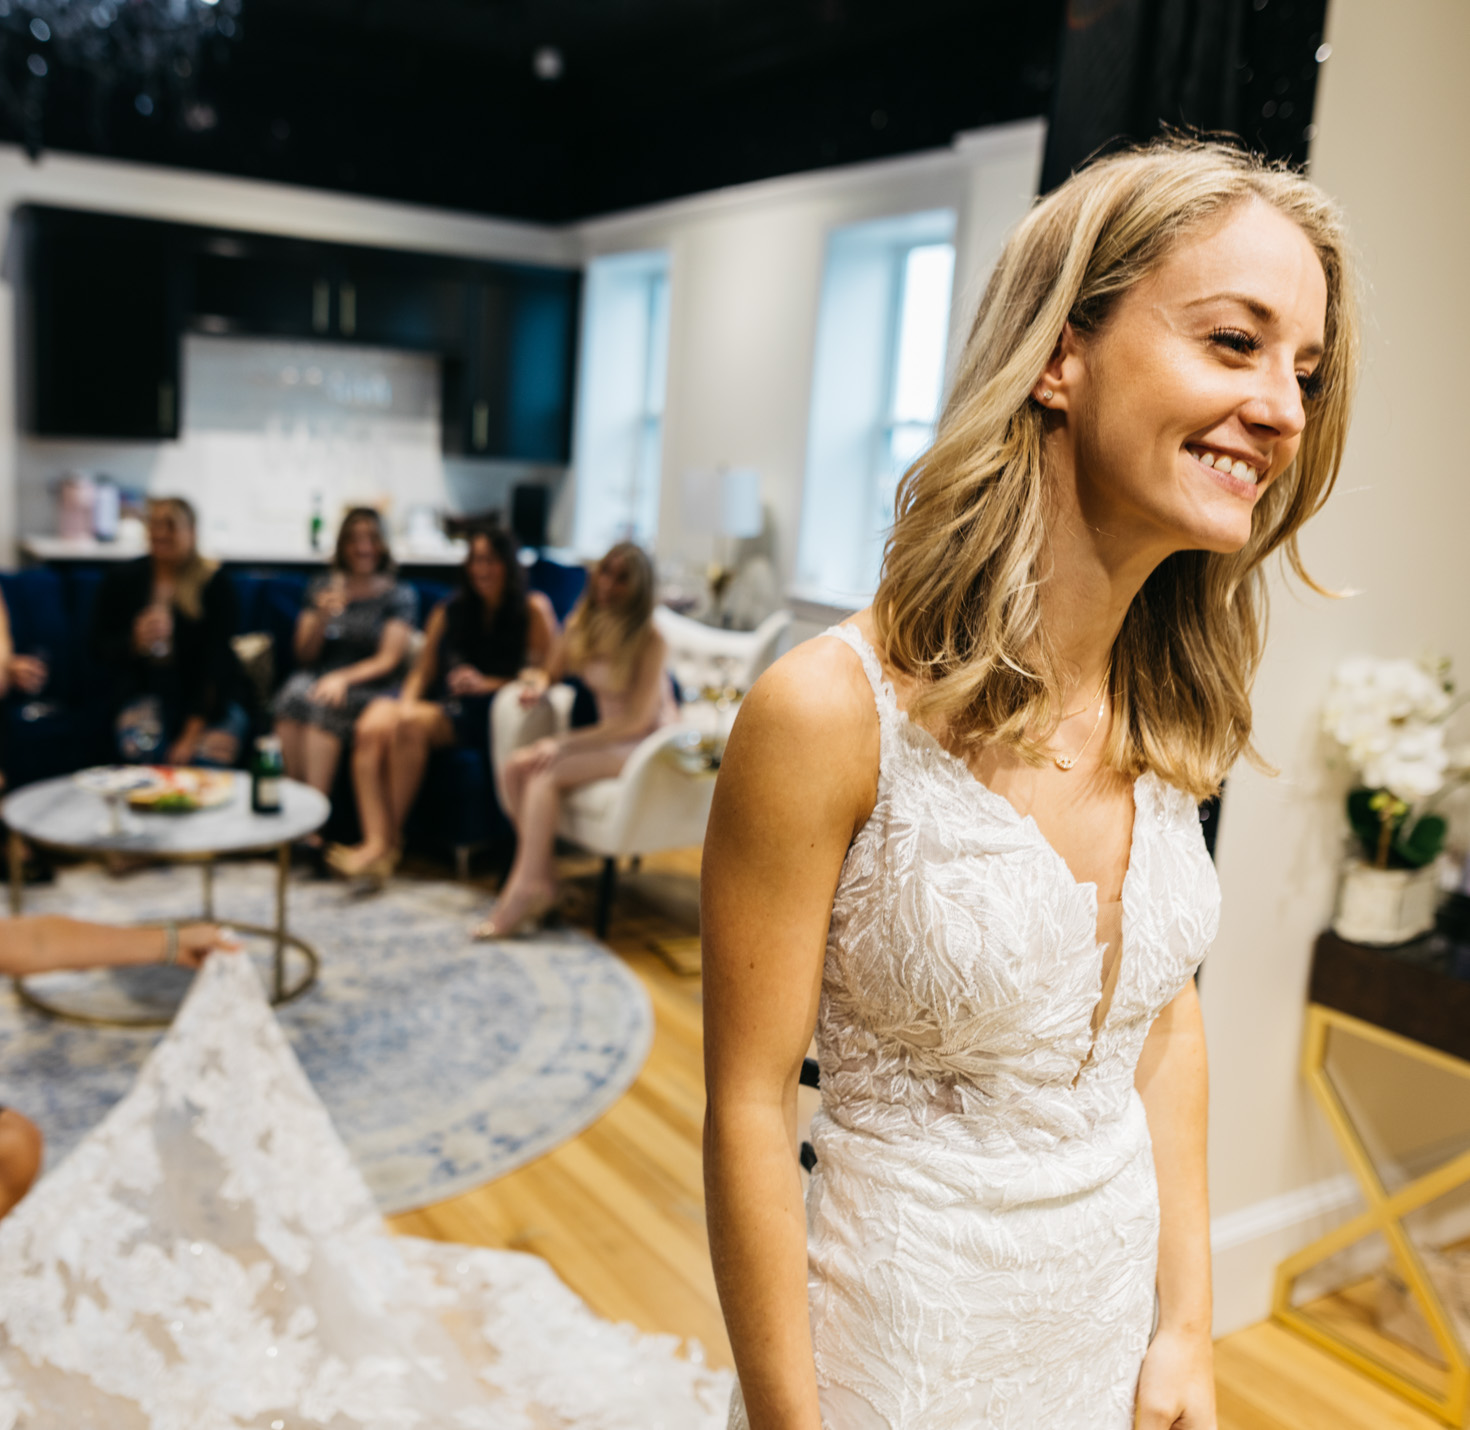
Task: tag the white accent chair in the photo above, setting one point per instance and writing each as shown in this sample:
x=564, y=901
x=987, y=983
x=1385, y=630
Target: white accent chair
x=701, y=655
x=652, y=804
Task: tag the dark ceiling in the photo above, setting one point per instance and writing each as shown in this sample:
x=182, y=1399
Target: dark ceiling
x=439, y=102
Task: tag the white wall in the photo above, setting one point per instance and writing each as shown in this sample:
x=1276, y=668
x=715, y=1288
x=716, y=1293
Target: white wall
x=243, y=204
x=1393, y=136
x=746, y=275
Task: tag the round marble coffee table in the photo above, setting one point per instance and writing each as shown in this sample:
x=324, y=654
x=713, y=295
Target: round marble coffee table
x=61, y=814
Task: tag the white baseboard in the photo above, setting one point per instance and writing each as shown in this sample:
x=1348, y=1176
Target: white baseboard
x=1281, y=1213
x=1248, y=1244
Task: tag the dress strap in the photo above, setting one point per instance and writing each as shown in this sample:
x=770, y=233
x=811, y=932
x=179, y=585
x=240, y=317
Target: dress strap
x=883, y=696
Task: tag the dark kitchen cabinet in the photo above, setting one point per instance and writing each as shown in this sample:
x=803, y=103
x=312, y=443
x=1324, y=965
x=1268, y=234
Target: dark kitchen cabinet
x=281, y=294
x=399, y=303
x=99, y=320
x=106, y=300
x=517, y=386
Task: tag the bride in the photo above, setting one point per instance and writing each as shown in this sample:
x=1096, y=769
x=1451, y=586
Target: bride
x=960, y=839
x=210, y=1259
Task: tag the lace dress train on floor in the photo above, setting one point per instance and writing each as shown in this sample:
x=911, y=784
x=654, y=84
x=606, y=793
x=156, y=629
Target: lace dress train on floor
x=982, y=1221
x=210, y=1259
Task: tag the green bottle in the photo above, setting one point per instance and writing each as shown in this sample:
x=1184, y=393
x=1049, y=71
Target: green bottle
x=315, y=529
x=266, y=772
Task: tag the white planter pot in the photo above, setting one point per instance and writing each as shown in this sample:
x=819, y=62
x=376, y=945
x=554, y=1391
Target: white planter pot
x=1385, y=906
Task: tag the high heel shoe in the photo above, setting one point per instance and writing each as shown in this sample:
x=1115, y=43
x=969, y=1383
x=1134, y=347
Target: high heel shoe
x=533, y=919
x=342, y=860
x=382, y=869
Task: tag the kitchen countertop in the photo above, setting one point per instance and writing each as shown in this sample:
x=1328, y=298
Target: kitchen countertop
x=57, y=548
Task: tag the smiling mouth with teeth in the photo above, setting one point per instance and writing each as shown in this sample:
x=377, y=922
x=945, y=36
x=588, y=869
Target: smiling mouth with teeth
x=1221, y=463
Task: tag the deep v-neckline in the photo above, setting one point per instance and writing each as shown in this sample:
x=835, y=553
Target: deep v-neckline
x=1096, y=1026
x=1014, y=816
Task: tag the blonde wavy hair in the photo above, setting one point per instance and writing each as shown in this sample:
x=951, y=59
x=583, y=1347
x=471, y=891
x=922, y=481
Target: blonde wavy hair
x=617, y=632
x=194, y=572
x=959, y=605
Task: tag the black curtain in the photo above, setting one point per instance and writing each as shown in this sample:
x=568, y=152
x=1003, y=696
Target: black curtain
x=1127, y=68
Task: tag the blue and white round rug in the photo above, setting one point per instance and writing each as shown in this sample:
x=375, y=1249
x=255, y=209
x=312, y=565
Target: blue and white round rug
x=444, y=1063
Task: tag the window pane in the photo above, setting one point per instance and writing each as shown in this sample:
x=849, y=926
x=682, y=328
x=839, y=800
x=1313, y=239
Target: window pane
x=923, y=332
x=620, y=401
x=882, y=330
x=658, y=344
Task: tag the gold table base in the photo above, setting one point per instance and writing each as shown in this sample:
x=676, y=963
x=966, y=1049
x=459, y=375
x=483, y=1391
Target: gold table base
x=1384, y=1215
x=281, y=991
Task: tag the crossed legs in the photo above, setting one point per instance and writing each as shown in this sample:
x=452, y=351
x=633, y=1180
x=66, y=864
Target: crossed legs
x=390, y=751
x=533, y=791
x=310, y=753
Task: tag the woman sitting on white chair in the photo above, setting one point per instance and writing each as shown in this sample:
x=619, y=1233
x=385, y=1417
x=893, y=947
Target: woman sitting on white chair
x=612, y=644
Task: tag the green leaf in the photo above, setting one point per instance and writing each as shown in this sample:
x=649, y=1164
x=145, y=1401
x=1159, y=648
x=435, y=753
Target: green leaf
x=1420, y=845
x=1364, y=820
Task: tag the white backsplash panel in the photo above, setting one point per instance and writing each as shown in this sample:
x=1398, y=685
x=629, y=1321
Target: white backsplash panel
x=270, y=427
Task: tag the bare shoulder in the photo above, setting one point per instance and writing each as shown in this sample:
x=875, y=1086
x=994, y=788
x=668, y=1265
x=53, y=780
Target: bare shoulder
x=540, y=603
x=819, y=687
x=808, y=732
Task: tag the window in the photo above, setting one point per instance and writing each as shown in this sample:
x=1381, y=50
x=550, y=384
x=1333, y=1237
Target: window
x=882, y=336
x=618, y=446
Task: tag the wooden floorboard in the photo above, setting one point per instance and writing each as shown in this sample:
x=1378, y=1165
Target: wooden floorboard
x=619, y=1210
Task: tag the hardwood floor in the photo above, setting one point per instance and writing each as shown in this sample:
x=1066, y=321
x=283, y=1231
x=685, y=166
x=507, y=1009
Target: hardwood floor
x=619, y=1210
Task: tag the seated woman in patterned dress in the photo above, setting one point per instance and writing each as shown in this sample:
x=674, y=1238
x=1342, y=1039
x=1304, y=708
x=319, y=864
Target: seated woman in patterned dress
x=484, y=636
x=351, y=640
x=613, y=645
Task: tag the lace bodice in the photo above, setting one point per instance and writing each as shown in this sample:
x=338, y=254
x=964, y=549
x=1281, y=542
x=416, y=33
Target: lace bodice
x=982, y=1220
x=963, y=968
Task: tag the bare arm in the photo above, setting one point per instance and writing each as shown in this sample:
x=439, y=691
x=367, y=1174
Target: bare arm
x=45, y=942
x=543, y=636
x=798, y=778
x=311, y=625
x=421, y=677
x=385, y=660
x=7, y=647
x=645, y=694
x=1176, y=1387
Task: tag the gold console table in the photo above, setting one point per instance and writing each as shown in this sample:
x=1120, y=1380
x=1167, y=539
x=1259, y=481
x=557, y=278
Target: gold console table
x=1409, y=1002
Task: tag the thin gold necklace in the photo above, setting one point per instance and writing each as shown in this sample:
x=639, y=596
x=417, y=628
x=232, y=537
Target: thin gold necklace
x=1065, y=762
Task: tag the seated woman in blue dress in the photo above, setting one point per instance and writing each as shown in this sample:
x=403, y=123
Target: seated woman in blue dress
x=486, y=635
x=162, y=629
x=351, y=640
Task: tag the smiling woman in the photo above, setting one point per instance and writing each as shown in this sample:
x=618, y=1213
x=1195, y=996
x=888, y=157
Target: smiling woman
x=961, y=840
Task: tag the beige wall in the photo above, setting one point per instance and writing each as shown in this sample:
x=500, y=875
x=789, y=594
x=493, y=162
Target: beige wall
x=1393, y=145
x=745, y=280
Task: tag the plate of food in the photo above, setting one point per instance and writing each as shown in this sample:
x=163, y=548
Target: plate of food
x=176, y=789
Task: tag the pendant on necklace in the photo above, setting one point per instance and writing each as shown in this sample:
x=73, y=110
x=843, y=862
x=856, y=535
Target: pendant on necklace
x=1064, y=762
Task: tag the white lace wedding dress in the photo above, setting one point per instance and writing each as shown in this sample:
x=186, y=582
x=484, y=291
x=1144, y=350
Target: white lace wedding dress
x=209, y=1259
x=983, y=1217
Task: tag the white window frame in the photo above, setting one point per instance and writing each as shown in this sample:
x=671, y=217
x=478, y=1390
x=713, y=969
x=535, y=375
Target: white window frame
x=847, y=505
x=617, y=448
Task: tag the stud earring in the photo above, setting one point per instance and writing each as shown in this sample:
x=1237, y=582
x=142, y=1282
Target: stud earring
x=1046, y=394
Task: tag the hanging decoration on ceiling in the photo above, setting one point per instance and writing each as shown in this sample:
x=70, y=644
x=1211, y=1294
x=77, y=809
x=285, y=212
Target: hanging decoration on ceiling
x=148, y=53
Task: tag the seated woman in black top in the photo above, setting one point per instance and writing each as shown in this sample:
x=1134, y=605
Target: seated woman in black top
x=163, y=628
x=351, y=638
x=481, y=638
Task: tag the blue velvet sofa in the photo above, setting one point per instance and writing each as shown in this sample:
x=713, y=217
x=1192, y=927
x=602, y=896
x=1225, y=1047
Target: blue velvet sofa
x=66, y=727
